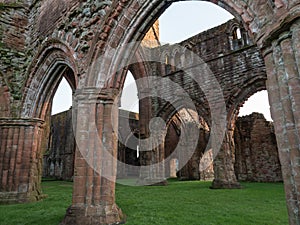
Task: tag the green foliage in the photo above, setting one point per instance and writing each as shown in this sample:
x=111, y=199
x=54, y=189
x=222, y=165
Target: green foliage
x=179, y=203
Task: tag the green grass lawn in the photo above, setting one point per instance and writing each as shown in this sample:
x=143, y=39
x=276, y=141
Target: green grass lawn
x=179, y=203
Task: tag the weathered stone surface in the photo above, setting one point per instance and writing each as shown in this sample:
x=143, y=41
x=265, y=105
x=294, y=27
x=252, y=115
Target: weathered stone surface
x=58, y=160
x=256, y=153
x=33, y=57
x=236, y=64
x=21, y=164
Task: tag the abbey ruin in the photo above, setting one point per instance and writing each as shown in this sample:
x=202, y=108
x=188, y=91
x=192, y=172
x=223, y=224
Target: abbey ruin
x=189, y=99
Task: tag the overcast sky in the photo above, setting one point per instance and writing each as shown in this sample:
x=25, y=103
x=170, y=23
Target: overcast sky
x=179, y=22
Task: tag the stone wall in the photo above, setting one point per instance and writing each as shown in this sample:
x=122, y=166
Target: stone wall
x=128, y=143
x=235, y=63
x=172, y=145
x=59, y=157
x=256, y=153
x=58, y=160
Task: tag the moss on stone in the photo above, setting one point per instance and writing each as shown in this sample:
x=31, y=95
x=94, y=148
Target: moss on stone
x=4, y=6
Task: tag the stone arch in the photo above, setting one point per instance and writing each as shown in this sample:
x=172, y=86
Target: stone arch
x=238, y=37
x=141, y=17
x=178, y=123
x=166, y=67
x=241, y=95
x=176, y=57
x=188, y=56
x=137, y=27
x=29, y=125
x=53, y=61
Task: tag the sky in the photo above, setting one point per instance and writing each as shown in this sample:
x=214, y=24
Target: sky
x=179, y=22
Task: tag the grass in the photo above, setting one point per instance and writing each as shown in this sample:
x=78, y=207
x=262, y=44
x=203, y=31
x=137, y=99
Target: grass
x=179, y=203
x=49, y=211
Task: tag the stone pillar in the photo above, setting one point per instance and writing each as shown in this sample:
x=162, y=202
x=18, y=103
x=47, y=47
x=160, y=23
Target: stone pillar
x=95, y=160
x=224, y=165
x=151, y=144
x=20, y=160
x=152, y=159
x=282, y=59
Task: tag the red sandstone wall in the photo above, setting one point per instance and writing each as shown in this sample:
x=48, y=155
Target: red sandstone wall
x=59, y=158
x=58, y=161
x=256, y=150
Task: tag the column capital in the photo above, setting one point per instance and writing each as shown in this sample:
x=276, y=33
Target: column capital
x=96, y=95
x=9, y=122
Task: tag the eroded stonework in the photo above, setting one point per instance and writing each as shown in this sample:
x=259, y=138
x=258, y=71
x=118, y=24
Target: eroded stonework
x=36, y=54
x=256, y=153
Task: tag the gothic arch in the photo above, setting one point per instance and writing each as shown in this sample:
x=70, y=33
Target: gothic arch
x=241, y=95
x=179, y=125
x=148, y=11
x=52, y=63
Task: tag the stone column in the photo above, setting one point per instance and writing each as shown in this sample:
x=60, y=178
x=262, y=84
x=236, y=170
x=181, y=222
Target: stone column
x=282, y=59
x=152, y=159
x=224, y=164
x=95, y=160
x=152, y=172
x=20, y=160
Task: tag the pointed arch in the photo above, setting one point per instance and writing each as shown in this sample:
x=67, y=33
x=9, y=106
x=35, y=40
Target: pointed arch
x=53, y=62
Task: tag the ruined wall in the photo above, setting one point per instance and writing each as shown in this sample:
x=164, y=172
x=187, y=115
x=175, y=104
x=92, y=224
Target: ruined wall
x=256, y=153
x=59, y=158
x=128, y=143
x=13, y=55
x=191, y=170
x=235, y=63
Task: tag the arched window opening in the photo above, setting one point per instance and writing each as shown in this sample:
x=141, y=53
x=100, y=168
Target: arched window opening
x=59, y=143
x=188, y=58
x=236, y=33
x=256, y=151
x=166, y=67
x=237, y=38
x=62, y=100
x=129, y=99
x=259, y=103
x=177, y=61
